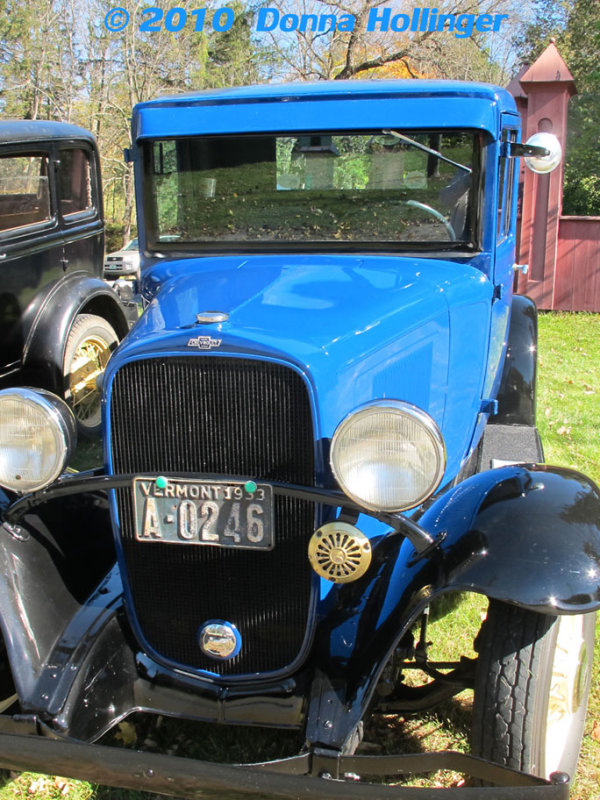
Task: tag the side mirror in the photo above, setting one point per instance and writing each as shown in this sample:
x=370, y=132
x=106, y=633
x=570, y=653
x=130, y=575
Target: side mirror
x=543, y=163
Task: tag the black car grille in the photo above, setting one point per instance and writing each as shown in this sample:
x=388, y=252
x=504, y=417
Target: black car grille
x=233, y=416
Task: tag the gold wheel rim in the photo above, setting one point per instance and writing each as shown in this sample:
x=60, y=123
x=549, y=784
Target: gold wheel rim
x=88, y=363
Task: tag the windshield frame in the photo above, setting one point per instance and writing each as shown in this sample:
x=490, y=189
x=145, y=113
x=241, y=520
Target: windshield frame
x=163, y=248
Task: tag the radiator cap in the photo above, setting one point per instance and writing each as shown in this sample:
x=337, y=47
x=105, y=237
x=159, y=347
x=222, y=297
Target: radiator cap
x=209, y=317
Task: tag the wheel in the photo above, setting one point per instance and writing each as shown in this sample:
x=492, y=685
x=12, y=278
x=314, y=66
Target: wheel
x=531, y=689
x=89, y=346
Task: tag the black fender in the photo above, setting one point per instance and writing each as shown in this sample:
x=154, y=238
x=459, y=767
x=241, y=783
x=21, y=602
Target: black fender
x=529, y=536
x=48, y=569
x=44, y=351
x=516, y=397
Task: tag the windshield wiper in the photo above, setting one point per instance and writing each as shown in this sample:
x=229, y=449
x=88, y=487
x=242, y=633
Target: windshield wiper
x=425, y=149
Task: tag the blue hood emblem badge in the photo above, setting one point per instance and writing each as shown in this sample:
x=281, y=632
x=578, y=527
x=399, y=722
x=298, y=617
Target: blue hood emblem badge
x=219, y=640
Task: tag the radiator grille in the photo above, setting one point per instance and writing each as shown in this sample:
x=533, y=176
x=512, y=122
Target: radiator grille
x=218, y=415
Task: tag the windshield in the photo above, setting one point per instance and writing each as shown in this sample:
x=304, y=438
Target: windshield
x=381, y=189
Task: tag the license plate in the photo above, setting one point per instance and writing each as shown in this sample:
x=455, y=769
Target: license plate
x=235, y=514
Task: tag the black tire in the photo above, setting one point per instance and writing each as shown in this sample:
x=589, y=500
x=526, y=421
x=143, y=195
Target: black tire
x=531, y=689
x=89, y=346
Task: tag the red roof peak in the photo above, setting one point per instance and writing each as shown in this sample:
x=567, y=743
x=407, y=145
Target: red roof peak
x=549, y=68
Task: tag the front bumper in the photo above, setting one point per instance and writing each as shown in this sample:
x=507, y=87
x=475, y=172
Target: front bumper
x=434, y=560
x=120, y=268
x=317, y=775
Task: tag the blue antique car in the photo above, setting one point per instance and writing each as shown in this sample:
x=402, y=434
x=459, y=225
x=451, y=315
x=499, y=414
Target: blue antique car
x=323, y=422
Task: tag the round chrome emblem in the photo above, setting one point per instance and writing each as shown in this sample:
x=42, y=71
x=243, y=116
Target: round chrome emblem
x=219, y=639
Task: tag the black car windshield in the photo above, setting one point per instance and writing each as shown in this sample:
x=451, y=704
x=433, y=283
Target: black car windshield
x=382, y=189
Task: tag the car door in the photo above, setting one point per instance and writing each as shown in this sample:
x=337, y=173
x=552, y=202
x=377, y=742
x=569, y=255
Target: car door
x=80, y=208
x=31, y=244
x=504, y=253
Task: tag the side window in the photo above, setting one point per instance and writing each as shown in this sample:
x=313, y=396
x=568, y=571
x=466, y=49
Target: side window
x=501, y=196
x=75, y=182
x=506, y=176
x=510, y=186
x=24, y=191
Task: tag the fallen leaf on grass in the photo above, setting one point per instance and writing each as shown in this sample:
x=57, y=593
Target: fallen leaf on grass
x=38, y=785
x=596, y=731
x=62, y=784
x=127, y=733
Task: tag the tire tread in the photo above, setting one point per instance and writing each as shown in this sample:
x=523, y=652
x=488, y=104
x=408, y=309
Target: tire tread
x=501, y=722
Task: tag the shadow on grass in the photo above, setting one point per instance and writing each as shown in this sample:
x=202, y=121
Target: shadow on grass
x=203, y=740
x=447, y=727
x=196, y=740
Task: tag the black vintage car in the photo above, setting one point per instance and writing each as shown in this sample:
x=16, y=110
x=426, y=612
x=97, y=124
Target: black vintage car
x=58, y=321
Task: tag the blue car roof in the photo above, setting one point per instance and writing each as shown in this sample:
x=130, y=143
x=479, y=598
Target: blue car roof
x=342, y=105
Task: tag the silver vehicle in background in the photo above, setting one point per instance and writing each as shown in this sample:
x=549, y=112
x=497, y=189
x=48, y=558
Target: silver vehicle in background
x=123, y=262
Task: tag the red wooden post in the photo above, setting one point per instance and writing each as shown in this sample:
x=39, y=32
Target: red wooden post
x=542, y=93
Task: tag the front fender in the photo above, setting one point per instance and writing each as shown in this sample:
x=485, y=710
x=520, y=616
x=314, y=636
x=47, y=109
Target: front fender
x=524, y=535
x=44, y=351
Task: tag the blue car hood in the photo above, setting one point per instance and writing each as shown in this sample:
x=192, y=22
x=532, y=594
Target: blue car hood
x=359, y=327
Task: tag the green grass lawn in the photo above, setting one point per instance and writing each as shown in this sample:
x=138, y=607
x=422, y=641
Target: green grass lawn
x=569, y=422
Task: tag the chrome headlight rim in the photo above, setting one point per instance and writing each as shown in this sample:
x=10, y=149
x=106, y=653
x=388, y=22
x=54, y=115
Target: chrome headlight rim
x=62, y=420
x=408, y=410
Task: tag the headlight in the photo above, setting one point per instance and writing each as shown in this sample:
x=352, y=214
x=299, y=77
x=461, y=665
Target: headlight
x=388, y=456
x=37, y=434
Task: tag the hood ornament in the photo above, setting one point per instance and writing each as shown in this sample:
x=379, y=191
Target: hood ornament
x=219, y=639
x=209, y=317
